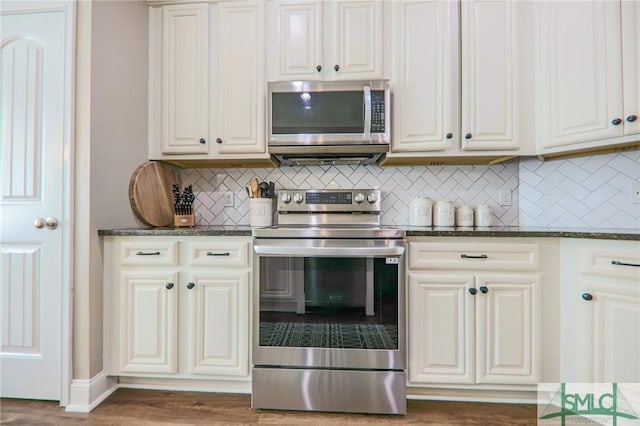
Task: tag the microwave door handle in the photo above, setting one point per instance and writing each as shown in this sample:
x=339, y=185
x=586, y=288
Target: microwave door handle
x=367, y=111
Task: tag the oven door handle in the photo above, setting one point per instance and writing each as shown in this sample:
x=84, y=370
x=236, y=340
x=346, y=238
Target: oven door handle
x=328, y=251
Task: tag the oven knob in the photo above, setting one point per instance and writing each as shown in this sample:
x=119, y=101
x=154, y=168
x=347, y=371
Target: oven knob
x=359, y=198
x=372, y=198
x=285, y=197
x=298, y=198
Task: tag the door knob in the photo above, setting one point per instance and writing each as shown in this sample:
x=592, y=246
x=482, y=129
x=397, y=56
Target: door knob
x=38, y=223
x=51, y=223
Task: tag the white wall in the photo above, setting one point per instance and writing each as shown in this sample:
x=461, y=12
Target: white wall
x=111, y=142
x=584, y=192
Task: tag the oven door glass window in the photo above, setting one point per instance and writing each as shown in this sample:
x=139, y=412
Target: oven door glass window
x=328, y=302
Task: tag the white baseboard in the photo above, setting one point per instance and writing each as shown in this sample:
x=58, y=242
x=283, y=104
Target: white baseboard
x=85, y=395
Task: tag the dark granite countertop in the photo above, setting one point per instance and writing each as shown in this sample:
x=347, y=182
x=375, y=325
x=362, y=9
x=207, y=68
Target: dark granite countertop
x=211, y=231
x=410, y=231
x=524, y=231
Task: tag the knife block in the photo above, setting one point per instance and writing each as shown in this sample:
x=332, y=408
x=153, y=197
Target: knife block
x=184, y=220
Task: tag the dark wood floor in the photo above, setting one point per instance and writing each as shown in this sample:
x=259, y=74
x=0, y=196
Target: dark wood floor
x=143, y=407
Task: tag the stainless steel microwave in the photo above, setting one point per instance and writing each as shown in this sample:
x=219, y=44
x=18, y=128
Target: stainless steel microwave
x=311, y=122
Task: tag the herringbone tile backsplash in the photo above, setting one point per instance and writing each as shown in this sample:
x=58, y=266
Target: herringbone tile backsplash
x=592, y=192
x=471, y=185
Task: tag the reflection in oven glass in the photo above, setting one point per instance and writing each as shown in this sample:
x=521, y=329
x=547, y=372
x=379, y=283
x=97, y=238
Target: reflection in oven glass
x=349, y=303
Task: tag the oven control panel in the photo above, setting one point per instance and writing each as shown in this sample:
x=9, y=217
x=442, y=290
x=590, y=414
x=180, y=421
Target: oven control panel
x=329, y=200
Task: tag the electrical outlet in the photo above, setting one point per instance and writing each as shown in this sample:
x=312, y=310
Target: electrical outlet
x=228, y=199
x=635, y=192
x=505, y=197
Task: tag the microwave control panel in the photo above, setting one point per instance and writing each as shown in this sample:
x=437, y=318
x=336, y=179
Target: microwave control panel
x=377, y=111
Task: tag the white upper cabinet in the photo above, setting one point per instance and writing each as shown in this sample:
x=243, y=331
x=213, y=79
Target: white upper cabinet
x=180, y=106
x=483, y=102
x=206, y=97
x=496, y=75
x=630, y=12
x=587, y=98
x=322, y=40
x=426, y=75
x=237, y=65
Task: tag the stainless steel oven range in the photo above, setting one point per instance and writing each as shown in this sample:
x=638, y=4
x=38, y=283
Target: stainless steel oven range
x=329, y=320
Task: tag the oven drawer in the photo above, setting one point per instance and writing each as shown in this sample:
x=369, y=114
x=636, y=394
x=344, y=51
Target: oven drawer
x=477, y=256
x=149, y=252
x=220, y=252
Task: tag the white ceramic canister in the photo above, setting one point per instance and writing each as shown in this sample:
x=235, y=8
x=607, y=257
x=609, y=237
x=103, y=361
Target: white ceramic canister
x=420, y=211
x=464, y=216
x=483, y=215
x=443, y=213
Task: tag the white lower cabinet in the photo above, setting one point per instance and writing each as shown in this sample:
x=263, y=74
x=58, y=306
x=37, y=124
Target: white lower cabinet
x=471, y=319
x=177, y=307
x=600, y=322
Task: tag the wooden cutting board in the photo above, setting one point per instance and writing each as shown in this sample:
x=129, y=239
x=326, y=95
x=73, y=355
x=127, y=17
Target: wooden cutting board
x=150, y=193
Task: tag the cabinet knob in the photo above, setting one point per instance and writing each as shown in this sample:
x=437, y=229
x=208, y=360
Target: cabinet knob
x=632, y=118
x=169, y=286
x=468, y=136
x=318, y=68
x=616, y=121
x=203, y=141
x=191, y=285
x=587, y=296
x=473, y=291
x=38, y=223
x=336, y=67
x=484, y=290
x=218, y=140
x=449, y=135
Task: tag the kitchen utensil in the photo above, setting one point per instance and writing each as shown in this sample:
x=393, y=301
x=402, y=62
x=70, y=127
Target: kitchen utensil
x=483, y=215
x=443, y=213
x=150, y=193
x=464, y=216
x=420, y=211
x=264, y=189
x=253, y=183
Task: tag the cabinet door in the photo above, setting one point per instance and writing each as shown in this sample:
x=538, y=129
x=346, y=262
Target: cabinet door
x=490, y=75
x=184, y=81
x=614, y=335
x=218, y=323
x=238, y=72
x=353, y=34
x=507, y=328
x=581, y=77
x=148, y=323
x=426, y=70
x=441, y=334
x=630, y=14
x=295, y=40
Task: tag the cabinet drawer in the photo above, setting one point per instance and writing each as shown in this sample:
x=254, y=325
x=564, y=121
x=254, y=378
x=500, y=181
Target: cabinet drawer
x=223, y=252
x=474, y=256
x=149, y=253
x=613, y=262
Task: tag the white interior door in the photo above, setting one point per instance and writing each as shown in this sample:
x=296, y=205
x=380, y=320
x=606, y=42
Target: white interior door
x=32, y=167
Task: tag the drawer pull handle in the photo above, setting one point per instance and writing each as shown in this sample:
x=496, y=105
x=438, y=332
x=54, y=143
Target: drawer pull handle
x=484, y=290
x=473, y=291
x=148, y=253
x=587, y=296
x=617, y=262
x=472, y=256
x=226, y=253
